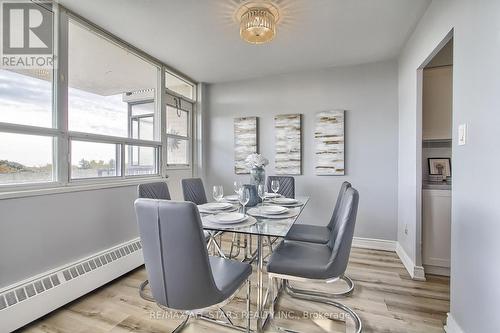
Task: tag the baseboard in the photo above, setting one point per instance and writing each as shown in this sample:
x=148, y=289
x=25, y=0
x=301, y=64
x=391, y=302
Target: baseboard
x=374, y=244
x=452, y=326
x=437, y=270
x=33, y=298
x=416, y=272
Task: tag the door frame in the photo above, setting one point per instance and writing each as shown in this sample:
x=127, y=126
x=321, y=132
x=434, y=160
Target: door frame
x=419, y=138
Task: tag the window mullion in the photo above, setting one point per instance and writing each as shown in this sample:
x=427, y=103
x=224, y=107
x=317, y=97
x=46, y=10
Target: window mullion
x=60, y=93
x=121, y=158
x=163, y=123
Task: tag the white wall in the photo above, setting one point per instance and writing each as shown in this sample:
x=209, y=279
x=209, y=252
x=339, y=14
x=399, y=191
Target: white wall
x=475, y=296
x=368, y=93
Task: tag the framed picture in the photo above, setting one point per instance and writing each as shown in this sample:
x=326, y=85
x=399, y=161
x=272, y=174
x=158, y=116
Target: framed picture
x=440, y=166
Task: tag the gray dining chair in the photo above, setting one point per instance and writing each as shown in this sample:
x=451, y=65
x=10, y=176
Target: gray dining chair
x=182, y=275
x=194, y=191
x=312, y=262
x=156, y=190
x=315, y=233
x=287, y=185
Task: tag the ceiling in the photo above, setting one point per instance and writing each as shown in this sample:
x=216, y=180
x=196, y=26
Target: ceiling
x=201, y=38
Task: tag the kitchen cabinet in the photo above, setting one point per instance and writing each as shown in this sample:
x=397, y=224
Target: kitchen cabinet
x=437, y=103
x=436, y=231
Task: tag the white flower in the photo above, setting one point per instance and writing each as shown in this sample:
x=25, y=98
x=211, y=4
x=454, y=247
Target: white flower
x=256, y=160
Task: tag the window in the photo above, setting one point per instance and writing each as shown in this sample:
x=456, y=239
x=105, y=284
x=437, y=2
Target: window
x=94, y=159
x=105, y=82
x=142, y=121
x=178, y=152
x=177, y=121
x=141, y=160
x=112, y=92
x=19, y=167
x=26, y=97
x=118, y=117
x=179, y=85
x=178, y=131
x=27, y=152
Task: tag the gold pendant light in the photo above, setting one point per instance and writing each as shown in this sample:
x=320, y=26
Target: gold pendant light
x=258, y=22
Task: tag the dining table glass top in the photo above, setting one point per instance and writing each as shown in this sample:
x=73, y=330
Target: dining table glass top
x=274, y=227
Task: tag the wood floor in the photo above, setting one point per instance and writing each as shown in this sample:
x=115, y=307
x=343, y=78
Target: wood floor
x=385, y=298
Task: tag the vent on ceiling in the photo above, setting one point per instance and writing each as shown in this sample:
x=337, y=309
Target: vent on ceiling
x=32, y=288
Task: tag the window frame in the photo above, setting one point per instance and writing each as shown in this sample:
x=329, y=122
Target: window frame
x=189, y=138
x=62, y=181
x=170, y=91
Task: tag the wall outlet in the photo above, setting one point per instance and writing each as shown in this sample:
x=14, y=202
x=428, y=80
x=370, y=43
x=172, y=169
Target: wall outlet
x=462, y=134
x=406, y=229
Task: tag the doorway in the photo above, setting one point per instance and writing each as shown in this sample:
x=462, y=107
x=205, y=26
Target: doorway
x=436, y=159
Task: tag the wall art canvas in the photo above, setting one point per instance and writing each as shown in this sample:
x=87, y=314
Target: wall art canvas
x=288, y=159
x=245, y=142
x=329, y=143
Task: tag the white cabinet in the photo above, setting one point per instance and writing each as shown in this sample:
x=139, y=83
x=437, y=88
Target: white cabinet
x=436, y=230
x=437, y=103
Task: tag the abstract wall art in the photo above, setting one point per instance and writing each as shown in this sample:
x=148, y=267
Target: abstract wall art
x=329, y=143
x=288, y=159
x=245, y=142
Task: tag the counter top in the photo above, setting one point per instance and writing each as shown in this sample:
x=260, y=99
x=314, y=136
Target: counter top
x=437, y=186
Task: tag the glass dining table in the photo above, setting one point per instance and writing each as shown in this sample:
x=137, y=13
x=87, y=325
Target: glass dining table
x=264, y=227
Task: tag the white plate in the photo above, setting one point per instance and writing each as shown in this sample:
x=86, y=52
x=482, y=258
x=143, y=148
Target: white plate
x=272, y=195
x=215, y=206
x=272, y=210
x=290, y=213
x=209, y=222
x=233, y=197
x=285, y=201
x=229, y=218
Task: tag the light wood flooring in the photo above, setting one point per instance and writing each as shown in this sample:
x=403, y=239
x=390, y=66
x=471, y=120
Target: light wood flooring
x=385, y=298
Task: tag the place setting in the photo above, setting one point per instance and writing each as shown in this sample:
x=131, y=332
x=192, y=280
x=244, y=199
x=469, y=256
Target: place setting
x=224, y=215
x=287, y=202
x=219, y=206
x=228, y=220
x=273, y=212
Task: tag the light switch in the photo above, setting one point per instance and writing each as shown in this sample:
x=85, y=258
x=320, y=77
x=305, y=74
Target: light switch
x=462, y=134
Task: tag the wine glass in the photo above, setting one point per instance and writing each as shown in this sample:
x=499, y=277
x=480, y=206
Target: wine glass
x=237, y=186
x=218, y=192
x=244, y=197
x=261, y=191
x=275, y=186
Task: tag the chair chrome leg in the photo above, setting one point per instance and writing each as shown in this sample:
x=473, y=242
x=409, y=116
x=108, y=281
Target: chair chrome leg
x=313, y=296
x=271, y=294
x=347, y=292
x=249, y=287
x=142, y=292
x=218, y=249
x=223, y=323
x=245, y=246
x=232, y=246
x=236, y=240
x=182, y=325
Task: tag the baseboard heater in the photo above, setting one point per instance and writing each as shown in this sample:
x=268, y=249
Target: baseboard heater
x=31, y=299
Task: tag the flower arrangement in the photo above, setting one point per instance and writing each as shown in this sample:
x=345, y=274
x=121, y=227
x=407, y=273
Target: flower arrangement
x=256, y=161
